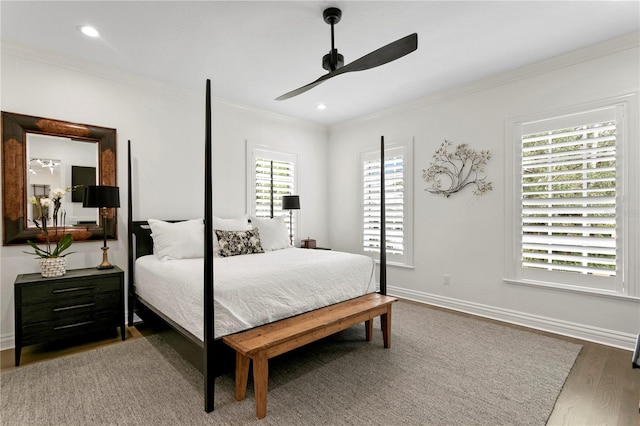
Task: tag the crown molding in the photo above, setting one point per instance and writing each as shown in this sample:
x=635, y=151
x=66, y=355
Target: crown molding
x=144, y=82
x=274, y=116
x=609, y=47
x=93, y=69
x=606, y=48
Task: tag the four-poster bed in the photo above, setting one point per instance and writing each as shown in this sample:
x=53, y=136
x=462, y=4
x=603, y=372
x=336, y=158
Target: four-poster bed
x=205, y=343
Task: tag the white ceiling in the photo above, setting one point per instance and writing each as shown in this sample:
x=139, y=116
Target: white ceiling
x=255, y=51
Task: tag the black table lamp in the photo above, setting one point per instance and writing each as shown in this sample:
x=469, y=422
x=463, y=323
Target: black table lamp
x=291, y=203
x=103, y=197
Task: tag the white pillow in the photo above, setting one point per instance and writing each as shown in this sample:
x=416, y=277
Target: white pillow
x=236, y=224
x=178, y=240
x=274, y=234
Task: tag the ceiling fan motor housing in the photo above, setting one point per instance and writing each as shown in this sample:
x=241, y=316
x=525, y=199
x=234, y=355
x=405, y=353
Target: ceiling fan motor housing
x=332, y=61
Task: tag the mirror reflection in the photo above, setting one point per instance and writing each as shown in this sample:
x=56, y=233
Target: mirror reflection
x=60, y=167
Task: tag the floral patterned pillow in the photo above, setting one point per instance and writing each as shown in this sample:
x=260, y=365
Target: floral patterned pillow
x=233, y=243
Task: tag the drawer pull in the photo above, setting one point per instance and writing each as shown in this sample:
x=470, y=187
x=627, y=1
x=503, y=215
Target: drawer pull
x=78, y=324
x=66, y=308
x=66, y=290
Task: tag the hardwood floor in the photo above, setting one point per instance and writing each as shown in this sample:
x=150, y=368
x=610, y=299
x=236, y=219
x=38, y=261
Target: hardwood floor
x=602, y=388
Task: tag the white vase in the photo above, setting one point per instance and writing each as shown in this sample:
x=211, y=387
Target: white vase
x=53, y=266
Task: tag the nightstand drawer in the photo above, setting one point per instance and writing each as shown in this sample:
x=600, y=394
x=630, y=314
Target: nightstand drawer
x=68, y=327
x=51, y=311
x=50, y=292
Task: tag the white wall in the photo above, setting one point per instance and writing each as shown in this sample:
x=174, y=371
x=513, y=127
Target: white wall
x=464, y=235
x=166, y=128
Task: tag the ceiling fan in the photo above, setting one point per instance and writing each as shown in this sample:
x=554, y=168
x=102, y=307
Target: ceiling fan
x=334, y=62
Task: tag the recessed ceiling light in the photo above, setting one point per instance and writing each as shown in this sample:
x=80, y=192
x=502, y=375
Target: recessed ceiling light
x=89, y=31
x=321, y=107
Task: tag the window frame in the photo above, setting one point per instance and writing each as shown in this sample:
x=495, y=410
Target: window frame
x=627, y=196
x=404, y=146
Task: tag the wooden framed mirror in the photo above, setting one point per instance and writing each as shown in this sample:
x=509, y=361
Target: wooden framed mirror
x=17, y=131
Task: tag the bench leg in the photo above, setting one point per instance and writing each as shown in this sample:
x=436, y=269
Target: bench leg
x=242, y=375
x=385, y=320
x=260, y=383
x=368, y=326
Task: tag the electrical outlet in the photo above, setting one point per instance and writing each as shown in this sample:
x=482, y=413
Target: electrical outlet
x=447, y=279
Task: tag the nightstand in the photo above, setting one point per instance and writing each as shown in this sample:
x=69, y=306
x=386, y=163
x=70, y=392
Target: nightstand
x=80, y=302
x=310, y=243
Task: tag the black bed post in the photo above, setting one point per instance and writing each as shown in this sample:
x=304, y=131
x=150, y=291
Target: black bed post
x=383, y=224
x=130, y=277
x=209, y=336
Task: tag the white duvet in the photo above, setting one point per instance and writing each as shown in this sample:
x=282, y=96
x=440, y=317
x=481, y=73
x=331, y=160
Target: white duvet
x=254, y=289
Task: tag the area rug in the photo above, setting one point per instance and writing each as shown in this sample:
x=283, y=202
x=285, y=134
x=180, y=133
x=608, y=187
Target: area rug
x=442, y=368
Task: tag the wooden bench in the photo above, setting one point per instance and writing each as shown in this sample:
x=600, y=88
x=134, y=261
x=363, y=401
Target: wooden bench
x=262, y=343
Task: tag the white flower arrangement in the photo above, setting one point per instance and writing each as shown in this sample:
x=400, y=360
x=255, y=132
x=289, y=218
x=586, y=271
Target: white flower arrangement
x=62, y=242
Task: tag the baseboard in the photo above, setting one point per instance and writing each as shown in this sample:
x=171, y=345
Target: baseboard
x=8, y=341
x=565, y=328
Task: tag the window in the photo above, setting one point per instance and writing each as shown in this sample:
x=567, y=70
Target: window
x=568, y=222
x=398, y=211
x=273, y=179
x=272, y=175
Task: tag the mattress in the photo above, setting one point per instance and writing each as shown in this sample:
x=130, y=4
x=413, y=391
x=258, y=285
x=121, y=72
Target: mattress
x=255, y=289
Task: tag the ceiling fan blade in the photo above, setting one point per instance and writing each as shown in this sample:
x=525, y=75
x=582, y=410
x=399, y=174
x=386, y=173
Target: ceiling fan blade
x=306, y=87
x=385, y=54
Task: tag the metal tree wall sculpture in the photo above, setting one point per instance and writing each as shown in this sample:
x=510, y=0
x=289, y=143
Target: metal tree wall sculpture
x=451, y=172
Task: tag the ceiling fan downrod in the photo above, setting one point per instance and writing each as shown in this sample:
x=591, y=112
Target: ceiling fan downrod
x=333, y=60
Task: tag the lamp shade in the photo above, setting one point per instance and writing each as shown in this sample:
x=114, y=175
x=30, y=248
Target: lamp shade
x=290, y=202
x=101, y=196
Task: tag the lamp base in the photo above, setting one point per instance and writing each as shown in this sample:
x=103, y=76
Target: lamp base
x=291, y=228
x=105, y=260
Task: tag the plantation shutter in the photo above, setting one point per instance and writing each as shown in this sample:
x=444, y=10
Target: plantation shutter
x=273, y=179
x=394, y=169
x=568, y=194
